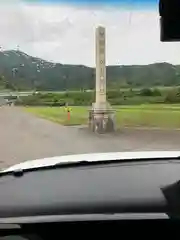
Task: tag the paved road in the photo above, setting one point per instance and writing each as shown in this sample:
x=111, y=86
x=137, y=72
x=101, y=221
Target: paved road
x=25, y=137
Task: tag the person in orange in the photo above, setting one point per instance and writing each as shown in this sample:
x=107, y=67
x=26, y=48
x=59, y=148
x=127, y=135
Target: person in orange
x=68, y=112
x=68, y=109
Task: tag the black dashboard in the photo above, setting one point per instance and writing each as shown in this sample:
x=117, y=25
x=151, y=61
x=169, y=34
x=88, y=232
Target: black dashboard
x=101, y=189
x=101, y=196
x=105, y=190
x=92, y=229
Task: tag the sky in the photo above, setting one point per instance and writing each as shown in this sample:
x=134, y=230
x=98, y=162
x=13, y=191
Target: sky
x=64, y=31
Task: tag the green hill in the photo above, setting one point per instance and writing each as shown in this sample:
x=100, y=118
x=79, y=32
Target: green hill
x=23, y=72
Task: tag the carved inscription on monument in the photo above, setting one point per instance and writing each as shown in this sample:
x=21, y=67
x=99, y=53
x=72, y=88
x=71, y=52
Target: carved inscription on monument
x=102, y=63
x=100, y=59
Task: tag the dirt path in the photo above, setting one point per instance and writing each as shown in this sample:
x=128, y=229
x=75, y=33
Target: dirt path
x=25, y=137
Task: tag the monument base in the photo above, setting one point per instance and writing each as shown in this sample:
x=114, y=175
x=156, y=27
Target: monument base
x=101, y=118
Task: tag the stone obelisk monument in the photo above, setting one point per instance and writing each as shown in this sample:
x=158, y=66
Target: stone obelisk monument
x=101, y=114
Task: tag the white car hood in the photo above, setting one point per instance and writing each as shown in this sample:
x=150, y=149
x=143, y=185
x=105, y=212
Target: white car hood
x=92, y=157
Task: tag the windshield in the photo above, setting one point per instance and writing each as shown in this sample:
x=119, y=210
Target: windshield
x=80, y=77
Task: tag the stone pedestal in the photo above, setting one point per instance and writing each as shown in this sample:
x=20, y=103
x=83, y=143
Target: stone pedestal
x=101, y=119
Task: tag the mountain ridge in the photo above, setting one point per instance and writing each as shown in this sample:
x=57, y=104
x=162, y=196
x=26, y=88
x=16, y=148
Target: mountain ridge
x=25, y=72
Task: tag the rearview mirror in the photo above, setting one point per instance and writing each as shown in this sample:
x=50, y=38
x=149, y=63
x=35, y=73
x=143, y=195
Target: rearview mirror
x=169, y=11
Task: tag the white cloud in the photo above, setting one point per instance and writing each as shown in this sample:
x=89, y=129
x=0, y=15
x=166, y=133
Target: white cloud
x=66, y=33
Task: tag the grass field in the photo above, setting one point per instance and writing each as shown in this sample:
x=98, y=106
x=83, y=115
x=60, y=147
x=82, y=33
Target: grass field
x=159, y=115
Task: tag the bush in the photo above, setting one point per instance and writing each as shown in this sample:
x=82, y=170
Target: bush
x=113, y=94
x=115, y=97
x=146, y=92
x=156, y=92
x=173, y=96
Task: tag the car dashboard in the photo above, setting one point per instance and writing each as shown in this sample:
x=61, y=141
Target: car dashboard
x=115, y=198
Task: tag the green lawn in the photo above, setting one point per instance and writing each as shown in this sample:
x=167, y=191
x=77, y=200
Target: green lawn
x=59, y=115
x=155, y=115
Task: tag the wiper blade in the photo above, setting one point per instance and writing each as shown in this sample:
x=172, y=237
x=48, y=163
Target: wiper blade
x=20, y=172
x=78, y=163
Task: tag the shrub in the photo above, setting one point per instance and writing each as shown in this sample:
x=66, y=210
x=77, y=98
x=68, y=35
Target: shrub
x=156, y=92
x=146, y=92
x=115, y=97
x=173, y=96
